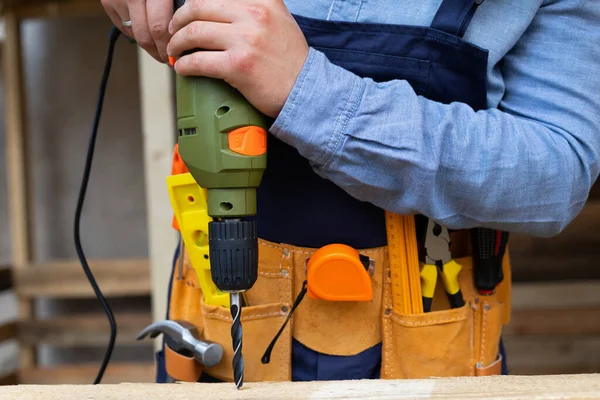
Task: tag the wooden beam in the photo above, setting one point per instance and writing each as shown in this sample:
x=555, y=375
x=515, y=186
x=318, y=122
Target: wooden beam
x=83, y=330
x=570, y=321
x=85, y=374
x=31, y=9
x=65, y=279
x=16, y=140
x=580, y=236
x=568, y=387
x=546, y=355
x=556, y=295
x=574, y=253
x=555, y=267
x=6, y=281
x=10, y=379
x=159, y=131
x=8, y=331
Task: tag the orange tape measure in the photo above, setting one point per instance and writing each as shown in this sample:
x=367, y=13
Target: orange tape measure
x=404, y=264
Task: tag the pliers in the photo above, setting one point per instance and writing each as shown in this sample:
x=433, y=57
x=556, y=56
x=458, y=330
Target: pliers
x=437, y=257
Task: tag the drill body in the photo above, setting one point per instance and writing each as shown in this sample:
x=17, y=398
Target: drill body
x=222, y=141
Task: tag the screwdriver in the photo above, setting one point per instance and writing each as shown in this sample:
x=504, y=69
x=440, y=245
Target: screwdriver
x=489, y=246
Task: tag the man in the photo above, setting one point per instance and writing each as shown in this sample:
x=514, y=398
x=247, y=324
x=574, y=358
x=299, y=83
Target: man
x=472, y=113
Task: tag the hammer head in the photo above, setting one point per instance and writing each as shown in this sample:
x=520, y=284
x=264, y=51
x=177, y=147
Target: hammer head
x=181, y=335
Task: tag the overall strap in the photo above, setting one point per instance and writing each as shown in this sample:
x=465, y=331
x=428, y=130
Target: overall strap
x=454, y=16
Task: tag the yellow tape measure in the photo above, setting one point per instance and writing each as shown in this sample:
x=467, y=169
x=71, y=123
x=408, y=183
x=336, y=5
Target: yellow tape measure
x=404, y=264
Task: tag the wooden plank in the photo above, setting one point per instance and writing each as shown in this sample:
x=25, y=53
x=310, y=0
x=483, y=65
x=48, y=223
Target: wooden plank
x=83, y=330
x=65, y=279
x=556, y=267
x=16, y=142
x=27, y=9
x=556, y=295
x=569, y=387
x=11, y=379
x=159, y=132
x=546, y=355
x=574, y=253
x=8, y=331
x=85, y=374
x=16, y=139
x=6, y=281
x=581, y=236
x=595, y=192
x=571, y=321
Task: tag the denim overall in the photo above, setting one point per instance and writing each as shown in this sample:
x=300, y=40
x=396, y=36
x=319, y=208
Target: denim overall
x=440, y=66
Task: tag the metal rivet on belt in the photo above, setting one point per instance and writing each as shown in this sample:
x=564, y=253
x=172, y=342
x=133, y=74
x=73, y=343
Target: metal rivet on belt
x=388, y=311
x=476, y=300
x=487, y=307
x=284, y=309
x=284, y=273
x=286, y=252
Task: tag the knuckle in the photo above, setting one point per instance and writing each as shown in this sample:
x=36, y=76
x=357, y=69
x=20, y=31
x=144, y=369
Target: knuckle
x=260, y=12
x=145, y=42
x=158, y=29
x=243, y=60
x=253, y=37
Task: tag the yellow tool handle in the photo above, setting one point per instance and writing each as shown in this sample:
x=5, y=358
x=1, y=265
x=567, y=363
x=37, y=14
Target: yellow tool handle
x=450, y=272
x=404, y=264
x=428, y=280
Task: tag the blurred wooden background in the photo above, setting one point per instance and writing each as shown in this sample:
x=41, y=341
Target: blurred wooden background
x=555, y=327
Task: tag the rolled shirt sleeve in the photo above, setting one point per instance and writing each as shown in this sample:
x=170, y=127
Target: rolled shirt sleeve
x=525, y=166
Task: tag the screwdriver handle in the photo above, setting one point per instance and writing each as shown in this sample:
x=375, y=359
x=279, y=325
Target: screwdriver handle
x=489, y=246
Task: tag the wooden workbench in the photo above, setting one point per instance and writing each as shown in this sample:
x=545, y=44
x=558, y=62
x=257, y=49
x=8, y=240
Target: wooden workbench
x=499, y=387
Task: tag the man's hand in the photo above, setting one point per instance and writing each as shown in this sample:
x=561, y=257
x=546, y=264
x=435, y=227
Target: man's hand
x=150, y=21
x=254, y=45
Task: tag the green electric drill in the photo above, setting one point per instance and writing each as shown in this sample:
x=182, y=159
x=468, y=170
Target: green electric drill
x=223, y=143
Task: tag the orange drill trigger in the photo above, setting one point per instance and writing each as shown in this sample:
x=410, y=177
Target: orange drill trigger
x=336, y=273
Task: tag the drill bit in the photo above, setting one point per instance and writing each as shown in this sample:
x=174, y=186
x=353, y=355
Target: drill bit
x=236, y=336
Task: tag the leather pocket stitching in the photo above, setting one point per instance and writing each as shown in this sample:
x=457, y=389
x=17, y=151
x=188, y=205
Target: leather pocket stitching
x=427, y=322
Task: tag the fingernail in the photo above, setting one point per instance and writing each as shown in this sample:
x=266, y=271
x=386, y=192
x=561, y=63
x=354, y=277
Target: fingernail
x=171, y=27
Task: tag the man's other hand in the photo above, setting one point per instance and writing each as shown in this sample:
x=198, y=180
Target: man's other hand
x=254, y=45
x=149, y=23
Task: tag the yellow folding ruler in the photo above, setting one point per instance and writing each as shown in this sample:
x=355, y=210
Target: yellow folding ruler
x=404, y=264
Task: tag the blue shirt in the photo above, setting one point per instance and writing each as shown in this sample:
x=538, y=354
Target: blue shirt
x=525, y=164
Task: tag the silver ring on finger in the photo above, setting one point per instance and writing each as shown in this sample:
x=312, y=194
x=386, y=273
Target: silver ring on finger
x=127, y=24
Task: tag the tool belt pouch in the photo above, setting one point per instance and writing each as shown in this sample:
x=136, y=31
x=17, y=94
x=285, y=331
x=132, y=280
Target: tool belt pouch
x=448, y=342
x=260, y=323
x=444, y=342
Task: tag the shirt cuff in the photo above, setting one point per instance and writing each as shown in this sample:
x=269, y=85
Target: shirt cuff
x=316, y=113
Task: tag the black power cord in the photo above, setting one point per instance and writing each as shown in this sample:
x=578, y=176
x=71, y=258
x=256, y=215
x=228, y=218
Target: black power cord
x=114, y=36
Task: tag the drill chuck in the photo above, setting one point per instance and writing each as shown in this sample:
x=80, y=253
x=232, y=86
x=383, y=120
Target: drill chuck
x=233, y=245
